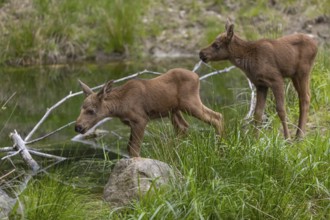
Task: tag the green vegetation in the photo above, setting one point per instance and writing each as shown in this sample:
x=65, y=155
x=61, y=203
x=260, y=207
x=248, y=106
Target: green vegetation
x=54, y=31
x=53, y=200
x=49, y=199
x=42, y=32
x=239, y=177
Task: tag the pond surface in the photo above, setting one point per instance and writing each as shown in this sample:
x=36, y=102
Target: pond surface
x=27, y=92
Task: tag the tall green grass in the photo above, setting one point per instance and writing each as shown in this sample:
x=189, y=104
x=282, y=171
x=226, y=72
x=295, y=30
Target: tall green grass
x=69, y=191
x=242, y=178
x=49, y=199
x=57, y=31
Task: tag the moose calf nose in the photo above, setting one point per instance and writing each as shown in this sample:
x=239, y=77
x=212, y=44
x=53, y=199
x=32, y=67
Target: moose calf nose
x=78, y=128
x=202, y=56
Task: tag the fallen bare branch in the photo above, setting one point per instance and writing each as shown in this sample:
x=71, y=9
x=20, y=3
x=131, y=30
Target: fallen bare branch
x=217, y=72
x=134, y=75
x=50, y=156
x=197, y=65
x=49, y=134
x=20, y=146
x=6, y=149
x=117, y=135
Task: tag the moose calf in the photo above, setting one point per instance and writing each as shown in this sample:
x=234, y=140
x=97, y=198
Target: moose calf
x=138, y=101
x=266, y=62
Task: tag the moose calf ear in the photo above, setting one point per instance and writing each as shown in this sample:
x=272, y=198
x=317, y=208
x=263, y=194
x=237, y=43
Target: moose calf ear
x=230, y=32
x=228, y=23
x=105, y=89
x=87, y=91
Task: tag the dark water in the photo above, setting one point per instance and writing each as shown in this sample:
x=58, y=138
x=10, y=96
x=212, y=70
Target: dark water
x=27, y=92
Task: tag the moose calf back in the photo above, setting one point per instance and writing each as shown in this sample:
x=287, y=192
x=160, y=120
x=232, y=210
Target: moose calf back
x=175, y=85
x=288, y=55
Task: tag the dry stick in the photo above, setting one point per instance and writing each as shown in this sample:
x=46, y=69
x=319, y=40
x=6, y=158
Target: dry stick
x=50, y=156
x=7, y=174
x=253, y=101
x=91, y=133
x=20, y=146
x=217, y=72
x=11, y=154
x=4, y=105
x=49, y=134
x=48, y=112
x=197, y=65
x=6, y=149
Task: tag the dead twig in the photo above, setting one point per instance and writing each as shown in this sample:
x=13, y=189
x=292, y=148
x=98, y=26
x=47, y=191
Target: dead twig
x=217, y=72
x=253, y=101
x=49, y=156
x=11, y=154
x=7, y=174
x=6, y=149
x=49, y=134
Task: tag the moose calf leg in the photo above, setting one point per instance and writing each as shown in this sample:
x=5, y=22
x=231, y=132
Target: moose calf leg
x=302, y=87
x=278, y=90
x=213, y=118
x=136, y=137
x=260, y=106
x=179, y=123
x=205, y=114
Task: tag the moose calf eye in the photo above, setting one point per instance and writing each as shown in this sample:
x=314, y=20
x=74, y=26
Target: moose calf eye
x=90, y=112
x=216, y=46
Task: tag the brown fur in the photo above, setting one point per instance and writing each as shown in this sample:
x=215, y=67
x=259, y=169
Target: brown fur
x=138, y=101
x=266, y=62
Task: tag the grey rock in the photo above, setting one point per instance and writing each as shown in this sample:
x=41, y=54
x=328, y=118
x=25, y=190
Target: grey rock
x=132, y=178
